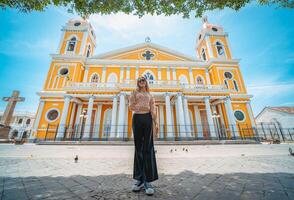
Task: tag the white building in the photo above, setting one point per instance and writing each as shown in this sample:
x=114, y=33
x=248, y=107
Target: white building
x=21, y=124
x=276, y=122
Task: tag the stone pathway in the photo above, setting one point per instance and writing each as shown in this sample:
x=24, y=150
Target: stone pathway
x=105, y=172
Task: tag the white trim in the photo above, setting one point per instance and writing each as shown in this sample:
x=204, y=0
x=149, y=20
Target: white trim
x=83, y=46
x=50, y=109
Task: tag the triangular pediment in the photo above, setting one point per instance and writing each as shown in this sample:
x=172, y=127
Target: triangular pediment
x=145, y=51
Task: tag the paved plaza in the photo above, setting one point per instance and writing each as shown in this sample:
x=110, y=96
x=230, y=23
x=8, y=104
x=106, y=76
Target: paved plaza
x=252, y=171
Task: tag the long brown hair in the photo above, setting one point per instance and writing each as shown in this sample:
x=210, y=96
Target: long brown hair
x=146, y=86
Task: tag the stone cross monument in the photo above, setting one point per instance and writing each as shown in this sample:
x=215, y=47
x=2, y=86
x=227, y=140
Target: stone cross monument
x=10, y=107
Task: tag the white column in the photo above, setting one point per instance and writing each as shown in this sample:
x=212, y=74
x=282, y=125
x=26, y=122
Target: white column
x=113, y=117
x=83, y=45
x=72, y=115
x=86, y=74
x=215, y=120
x=250, y=113
x=191, y=76
x=120, y=124
x=174, y=74
x=128, y=73
x=168, y=73
x=219, y=107
x=161, y=121
x=87, y=129
x=187, y=117
x=207, y=77
x=177, y=125
x=121, y=76
x=77, y=121
x=98, y=121
x=198, y=123
x=159, y=74
x=209, y=118
x=231, y=118
x=168, y=116
x=181, y=116
x=103, y=78
x=64, y=114
x=136, y=73
x=37, y=120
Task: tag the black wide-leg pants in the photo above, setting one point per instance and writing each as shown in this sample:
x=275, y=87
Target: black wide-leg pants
x=145, y=167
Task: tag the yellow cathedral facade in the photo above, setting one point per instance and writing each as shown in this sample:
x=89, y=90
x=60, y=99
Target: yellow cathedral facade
x=85, y=96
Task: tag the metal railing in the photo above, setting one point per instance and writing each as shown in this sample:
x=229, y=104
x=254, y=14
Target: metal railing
x=166, y=133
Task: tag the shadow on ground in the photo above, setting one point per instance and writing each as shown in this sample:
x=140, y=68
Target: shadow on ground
x=186, y=185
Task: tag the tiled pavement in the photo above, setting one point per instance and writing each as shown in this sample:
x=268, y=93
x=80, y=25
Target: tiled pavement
x=105, y=172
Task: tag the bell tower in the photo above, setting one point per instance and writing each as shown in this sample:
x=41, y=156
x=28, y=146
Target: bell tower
x=78, y=38
x=212, y=42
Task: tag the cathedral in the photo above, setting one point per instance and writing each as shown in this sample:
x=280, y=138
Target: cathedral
x=85, y=96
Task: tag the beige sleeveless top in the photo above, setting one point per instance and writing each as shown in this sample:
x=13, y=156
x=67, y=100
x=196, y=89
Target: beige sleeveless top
x=142, y=102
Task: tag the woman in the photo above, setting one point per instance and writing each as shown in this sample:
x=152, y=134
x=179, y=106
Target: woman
x=142, y=103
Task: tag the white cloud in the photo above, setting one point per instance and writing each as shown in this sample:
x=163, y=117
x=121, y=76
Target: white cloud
x=20, y=47
x=130, y=26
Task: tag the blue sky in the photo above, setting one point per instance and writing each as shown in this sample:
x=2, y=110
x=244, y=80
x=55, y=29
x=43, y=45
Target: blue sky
x=262, y=37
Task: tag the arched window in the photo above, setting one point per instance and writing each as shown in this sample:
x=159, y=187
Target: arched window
x=71, y=44
x=183, y=80
x=220, y=48
x=199, y=80
x=149, y=77
x=226, y=84
x=89, y=50
x=94, y=78
x=235, y=85
x=28, y=121
x=203, y=54
x=20, y=121
x=112, y=79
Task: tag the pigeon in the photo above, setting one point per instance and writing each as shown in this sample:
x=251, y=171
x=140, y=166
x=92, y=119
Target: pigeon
x=76, y=159
x=175, y=149
x=291, y=152
x=183, y=149
x=171, y=151
x=186, y=150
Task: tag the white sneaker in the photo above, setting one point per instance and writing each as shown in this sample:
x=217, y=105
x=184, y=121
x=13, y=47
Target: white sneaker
x=137, y=186
x=148, y=188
